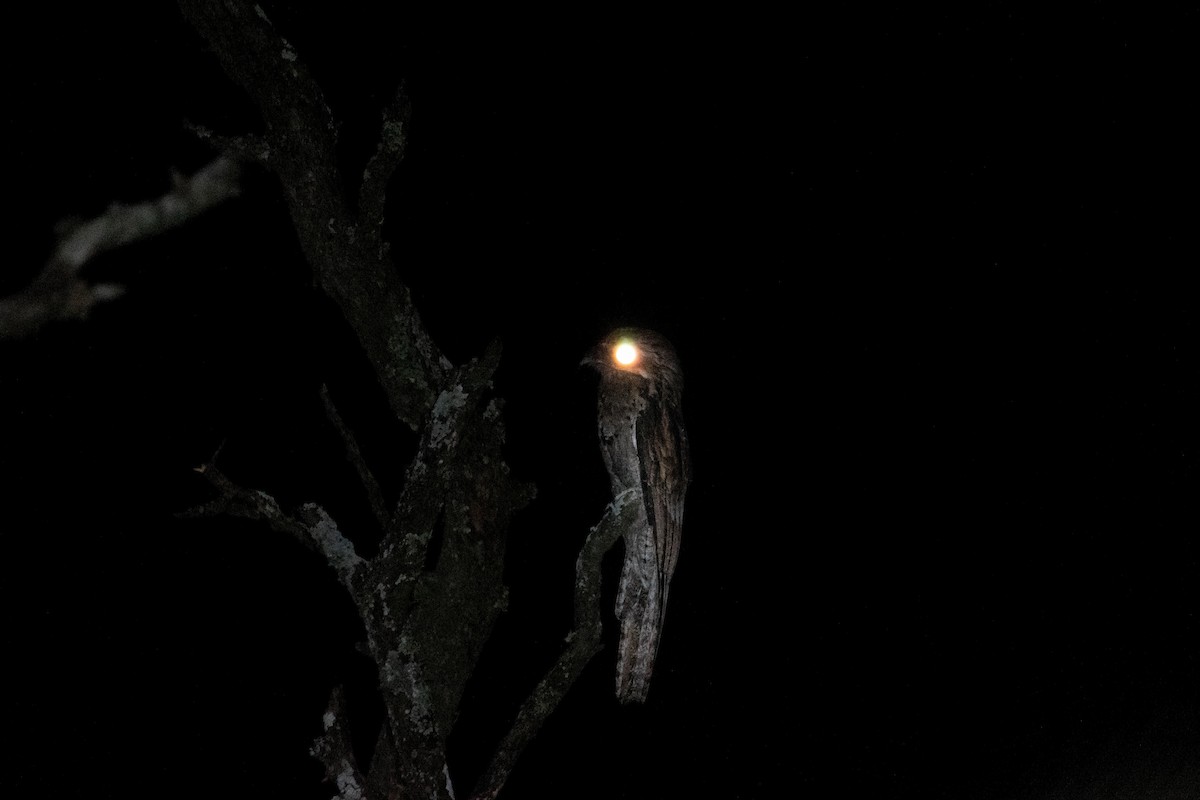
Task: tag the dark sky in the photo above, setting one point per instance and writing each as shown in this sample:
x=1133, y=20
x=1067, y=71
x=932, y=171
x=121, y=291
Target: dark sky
x=926, y=277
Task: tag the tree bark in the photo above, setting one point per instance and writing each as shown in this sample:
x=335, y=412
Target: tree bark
x=429, y=599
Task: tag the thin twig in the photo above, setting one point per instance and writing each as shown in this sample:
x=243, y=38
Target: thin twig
x=249, y=147
x=312, y=526
x=355, y=457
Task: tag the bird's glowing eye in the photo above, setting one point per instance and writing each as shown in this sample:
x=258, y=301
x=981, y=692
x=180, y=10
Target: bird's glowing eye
x=625, y=353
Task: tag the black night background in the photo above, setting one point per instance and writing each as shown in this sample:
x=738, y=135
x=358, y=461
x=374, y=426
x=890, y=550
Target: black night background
x=927, y=275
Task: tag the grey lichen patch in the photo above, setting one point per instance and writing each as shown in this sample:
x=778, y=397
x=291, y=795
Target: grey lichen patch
x=267, y=504
x=421, y=713
x=338, y=550
x=416, y=542
x=384, y=601
x=420, y=339
x=401, y=674
x=393, y=135
x=441, y=429
x=393, y=669
x=403, y=370
x=347, y=782
x=417, y=470
x=623, y=499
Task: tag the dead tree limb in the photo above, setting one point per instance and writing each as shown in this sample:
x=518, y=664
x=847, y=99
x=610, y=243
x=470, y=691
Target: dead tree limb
x=60, y=292
x=345, y=249
x=430, y=597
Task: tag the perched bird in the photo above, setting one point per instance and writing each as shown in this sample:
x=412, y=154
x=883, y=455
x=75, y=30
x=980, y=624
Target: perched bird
x=645, y=446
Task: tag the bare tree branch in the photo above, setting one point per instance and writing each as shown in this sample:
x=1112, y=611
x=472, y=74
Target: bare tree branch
x=354, y=456
x=425, y=627
x=312, y=526
x=393, y=136
x=247, y=147
x=430, y=598
x=345, y=249
x=427, y=476
x=334, y=749
x=60, y=293
x=583, y=643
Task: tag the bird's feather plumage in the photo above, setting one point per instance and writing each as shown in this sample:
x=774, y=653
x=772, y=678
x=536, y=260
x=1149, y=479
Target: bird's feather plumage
x=644, y=445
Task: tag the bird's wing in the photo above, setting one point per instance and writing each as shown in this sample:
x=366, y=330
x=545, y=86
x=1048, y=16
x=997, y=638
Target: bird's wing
x=666, y=471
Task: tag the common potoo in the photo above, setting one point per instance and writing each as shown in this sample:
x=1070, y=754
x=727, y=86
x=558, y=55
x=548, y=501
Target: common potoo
x=645, y=446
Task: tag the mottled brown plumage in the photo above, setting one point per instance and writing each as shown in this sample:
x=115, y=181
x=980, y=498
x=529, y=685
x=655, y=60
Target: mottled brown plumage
x=644, y=444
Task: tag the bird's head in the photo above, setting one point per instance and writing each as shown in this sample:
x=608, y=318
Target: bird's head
x=635, y=352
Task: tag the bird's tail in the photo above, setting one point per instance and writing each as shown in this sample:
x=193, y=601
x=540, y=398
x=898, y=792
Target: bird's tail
x=640, y=609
